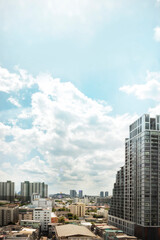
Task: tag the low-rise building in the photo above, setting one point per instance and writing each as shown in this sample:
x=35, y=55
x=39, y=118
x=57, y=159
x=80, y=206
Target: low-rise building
x=54, y=218
x=70, y=231
x=16, y=232
x=30, y=223
x=108, y=232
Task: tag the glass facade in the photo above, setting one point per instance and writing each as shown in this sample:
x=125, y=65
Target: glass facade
x=140, y=191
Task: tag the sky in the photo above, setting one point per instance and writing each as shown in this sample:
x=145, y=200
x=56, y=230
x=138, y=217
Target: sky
x=74, y=74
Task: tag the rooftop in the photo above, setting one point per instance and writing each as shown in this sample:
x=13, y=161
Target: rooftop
x=71, y=230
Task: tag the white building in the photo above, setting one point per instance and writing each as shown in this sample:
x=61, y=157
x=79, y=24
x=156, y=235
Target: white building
x=44, y=216
x=42, y=202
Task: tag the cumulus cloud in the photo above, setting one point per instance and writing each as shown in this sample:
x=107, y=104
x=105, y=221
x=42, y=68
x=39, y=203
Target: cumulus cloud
x=10, y=82
x=157, y=33
x=149, y=90
x=71, y=142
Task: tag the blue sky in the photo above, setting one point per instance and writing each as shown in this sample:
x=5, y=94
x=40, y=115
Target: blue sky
x=73, y=75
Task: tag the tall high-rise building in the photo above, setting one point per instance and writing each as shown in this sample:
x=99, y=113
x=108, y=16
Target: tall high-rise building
x=73, y=193
x=80, y=194
x=106, y=194
x=7, y=191
x=135, y=205
x=101, y=194
x=27, y=189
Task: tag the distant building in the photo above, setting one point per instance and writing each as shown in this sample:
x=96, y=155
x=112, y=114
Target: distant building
x=28, y=188
x=44, y=216
x=77, y=209
x=80, y=193
x=101, y=194
x=102, y=201
x=7, y=191
x=106, y=194
x=8, y=214
x=73, y=193
x=71, y=231
x=59, y=195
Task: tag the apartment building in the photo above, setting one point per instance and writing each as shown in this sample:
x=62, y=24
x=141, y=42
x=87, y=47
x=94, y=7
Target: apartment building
x=44, y=216
x=78, y=209
x=135, y=205
x=28, y=188
x=7, y=191
x=8, y=214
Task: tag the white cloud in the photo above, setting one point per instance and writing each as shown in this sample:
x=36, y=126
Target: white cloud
x=72, y=141
x=155, y=110
x=14, y=81
x=157, y=33
x=14, y=102
x=149, y=90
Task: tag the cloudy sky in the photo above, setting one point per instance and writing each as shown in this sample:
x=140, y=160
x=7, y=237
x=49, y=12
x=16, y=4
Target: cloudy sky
x=74, y=74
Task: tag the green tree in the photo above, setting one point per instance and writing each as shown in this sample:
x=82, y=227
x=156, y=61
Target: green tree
x=61, y=219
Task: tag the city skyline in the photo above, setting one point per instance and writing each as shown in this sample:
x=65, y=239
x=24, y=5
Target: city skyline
x=71, y=82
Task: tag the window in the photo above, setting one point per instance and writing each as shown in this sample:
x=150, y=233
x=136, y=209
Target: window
x=146, y=118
